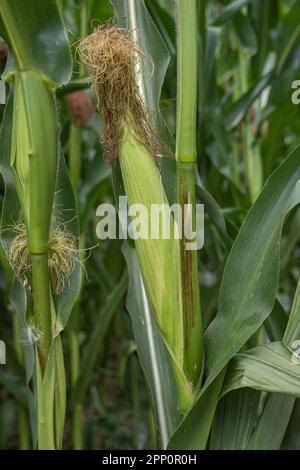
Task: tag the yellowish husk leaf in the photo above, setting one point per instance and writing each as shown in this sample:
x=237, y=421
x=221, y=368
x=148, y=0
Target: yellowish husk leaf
x=159, y=259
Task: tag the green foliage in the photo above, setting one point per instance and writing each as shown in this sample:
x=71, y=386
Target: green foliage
x=106, y=364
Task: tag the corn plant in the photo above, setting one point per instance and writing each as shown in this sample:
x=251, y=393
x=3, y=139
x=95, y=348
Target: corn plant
x=166, y=102
x=37, y=237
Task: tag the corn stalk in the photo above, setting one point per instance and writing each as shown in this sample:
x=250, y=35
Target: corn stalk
x=75, y=147
x=186, y=159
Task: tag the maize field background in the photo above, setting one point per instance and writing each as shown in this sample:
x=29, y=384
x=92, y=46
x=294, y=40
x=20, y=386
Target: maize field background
x=142, y=344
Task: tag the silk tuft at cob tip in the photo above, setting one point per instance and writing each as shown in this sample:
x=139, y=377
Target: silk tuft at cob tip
x=63, y=254
x=111, y=57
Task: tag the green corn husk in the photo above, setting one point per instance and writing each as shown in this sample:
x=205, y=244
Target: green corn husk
x=34, y=155
x=34, y=165
x=159, y=258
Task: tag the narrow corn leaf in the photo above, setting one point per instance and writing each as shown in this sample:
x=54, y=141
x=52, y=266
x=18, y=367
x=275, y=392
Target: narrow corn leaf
x=207, y=72
x=229, y=11
x=292, y=332
x=59, y=393
x=234, y=419
x=241, y=107
x=10, y=214
x=215, y=213
x=45, y=415
x=273, y=421
x=134, y=15
x=153, y=355
x=16, y=387
x=276, y=322
x=52, y=384
x=245, y=33
x=291, y=439
x=264, y=16
x=19, y=302
x=65, y=214
x=11, y=205
x=288, y=37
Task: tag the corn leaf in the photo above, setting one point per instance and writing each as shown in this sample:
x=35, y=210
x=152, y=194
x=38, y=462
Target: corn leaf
x=292, y=332
x=291, y=439
x=53, y=386
x=37, y=37
x=11, y=206
x=16, y=387
x=153, y=355
x=250, y=281
x=273, y=421
x=269, y=368
x=19, y=302
x=10, y=214
x=65, y=214
x=215, y=214
x=277, y=409
x=288, y=37
x=229, y=11
x=245, y=33
x=235, y=425
x=276, y=322
x=249, y=284
x=264, y=16
x=134, y=15
x=241, y=107
x=234, y=419
x=59, y=393
x=207, y=72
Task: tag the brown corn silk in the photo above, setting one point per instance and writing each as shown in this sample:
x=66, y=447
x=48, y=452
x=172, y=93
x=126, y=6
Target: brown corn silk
x=111, y=57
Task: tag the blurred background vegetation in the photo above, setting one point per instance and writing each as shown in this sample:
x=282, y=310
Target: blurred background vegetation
x=249, y=56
